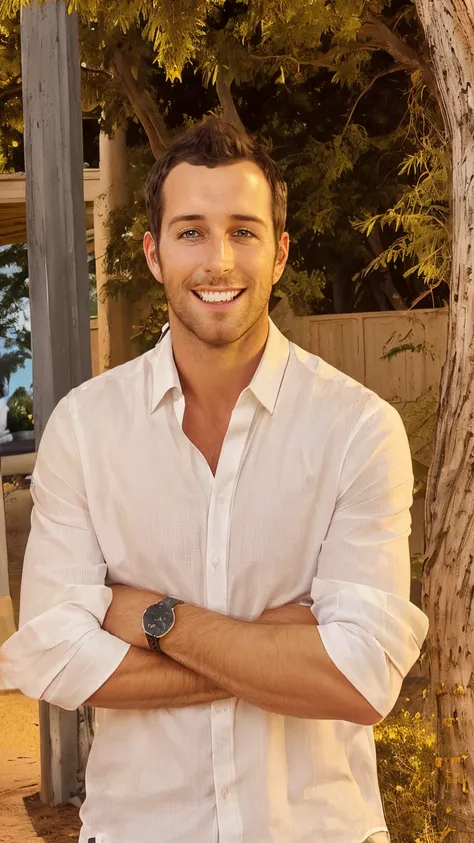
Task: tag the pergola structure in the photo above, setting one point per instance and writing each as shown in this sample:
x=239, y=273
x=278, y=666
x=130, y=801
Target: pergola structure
x=59, y=201
x=104, y=189
x=13, y=206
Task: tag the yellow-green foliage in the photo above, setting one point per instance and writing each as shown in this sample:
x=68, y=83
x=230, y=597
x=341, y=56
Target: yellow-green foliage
x=406, y=769
x=422, y=214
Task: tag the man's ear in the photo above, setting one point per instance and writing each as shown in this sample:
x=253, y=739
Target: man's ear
x=281, y=256
x=151, y=254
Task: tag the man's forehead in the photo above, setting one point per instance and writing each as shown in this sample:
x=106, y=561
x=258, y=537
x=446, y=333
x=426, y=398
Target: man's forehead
x=238, y=188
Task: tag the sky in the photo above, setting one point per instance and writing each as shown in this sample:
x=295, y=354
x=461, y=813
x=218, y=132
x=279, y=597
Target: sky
x=24, y=377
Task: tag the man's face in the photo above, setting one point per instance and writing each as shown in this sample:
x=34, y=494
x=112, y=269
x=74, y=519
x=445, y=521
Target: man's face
x=217, y=240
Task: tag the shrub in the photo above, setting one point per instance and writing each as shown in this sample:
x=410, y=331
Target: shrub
x=20, y=411
x=406, y=752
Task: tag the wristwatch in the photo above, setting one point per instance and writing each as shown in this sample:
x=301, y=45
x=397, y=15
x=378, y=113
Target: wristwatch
x=157, y=620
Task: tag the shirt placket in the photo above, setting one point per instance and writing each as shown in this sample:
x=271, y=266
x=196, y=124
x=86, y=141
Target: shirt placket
x=222, y=712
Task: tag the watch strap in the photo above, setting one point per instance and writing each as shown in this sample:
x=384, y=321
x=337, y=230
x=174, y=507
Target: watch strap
x=171, y=602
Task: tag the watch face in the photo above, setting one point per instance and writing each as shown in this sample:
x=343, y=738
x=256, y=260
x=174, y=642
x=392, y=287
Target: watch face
x=158, y=620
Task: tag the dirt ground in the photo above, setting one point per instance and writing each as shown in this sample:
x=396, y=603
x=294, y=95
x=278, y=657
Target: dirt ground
x=23, y=819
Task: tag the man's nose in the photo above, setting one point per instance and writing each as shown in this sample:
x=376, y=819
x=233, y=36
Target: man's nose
x=219, y=259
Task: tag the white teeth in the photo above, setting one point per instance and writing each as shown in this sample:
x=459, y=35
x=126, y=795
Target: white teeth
x=217, y=297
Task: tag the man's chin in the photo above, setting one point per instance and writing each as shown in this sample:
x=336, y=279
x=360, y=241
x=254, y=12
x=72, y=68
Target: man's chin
x=218, y=335
x=218, y=332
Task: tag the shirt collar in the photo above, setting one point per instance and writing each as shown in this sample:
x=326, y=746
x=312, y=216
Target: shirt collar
x=268, y=378
x=265, y=384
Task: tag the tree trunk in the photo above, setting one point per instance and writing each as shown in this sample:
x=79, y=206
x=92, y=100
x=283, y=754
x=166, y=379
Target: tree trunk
x=448, y=576
x=143, y=105
x=230, y=113
x=386, y=284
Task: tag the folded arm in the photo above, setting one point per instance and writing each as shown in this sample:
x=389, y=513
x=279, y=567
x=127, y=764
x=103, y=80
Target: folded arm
x=61, y=653
x=352, y=665
x=150, y=680
x=277, y=663
x=283, y=669
x=361, y=593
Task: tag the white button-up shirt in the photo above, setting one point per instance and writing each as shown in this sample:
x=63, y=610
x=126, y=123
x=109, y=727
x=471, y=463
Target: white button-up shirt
x=310, y=501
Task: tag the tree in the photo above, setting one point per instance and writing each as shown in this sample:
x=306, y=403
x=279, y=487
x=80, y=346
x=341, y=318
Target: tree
x=15, y=340
x=11, y=118
x=448, y=576
x=318, y=64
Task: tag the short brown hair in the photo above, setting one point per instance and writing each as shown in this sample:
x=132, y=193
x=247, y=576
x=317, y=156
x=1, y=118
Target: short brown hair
x=213, y=143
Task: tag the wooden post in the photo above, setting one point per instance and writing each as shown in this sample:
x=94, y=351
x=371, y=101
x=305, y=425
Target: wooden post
x=59, y=289
x=114, y=314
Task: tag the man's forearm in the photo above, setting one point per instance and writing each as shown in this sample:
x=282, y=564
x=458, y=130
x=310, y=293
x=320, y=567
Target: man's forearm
x=277, y=663
x=283, y=669
x=146, y=680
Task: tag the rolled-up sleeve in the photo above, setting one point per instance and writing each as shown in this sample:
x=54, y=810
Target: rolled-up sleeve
x=361, y=591
x=60, y=653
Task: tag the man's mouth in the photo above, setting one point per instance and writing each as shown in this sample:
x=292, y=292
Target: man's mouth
x=217, y=296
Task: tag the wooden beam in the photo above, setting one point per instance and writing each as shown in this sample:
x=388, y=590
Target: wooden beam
x=12, y=187
x=114, y=314
x=59, y=294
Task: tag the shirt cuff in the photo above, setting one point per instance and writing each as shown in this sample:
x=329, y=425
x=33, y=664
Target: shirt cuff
x=360, y=658
x=92, y=665
x=62, y=675
x=373, y=637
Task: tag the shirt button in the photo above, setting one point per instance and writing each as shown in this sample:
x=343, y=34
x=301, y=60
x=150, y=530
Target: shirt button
x=215, y=562
x=221, y=500
x=225, y=792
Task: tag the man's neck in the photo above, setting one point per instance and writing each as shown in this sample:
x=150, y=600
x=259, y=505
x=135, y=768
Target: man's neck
x=212, y=377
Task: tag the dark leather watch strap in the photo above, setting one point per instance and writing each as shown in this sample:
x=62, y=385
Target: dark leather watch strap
x=153, y=643
x=171, y=602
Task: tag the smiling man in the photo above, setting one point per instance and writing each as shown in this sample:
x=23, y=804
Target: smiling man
x=218, y=559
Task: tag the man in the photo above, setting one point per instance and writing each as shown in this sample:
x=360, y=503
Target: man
x=265, y=497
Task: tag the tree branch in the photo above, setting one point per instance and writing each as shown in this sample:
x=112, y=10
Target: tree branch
x=380, y=37
x=8, y=93
x=326, y=59
x=97, y=70
x=143, y=105
x=396, y=68
x=379, y=33
x=224, y=93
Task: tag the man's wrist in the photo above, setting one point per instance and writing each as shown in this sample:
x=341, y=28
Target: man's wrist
x=124, y=616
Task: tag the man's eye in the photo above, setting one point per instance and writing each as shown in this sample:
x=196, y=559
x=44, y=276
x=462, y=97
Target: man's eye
x=244, y=232
x=189, y=234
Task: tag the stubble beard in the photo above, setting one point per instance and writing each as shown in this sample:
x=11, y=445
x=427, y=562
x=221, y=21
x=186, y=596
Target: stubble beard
x=215, y=330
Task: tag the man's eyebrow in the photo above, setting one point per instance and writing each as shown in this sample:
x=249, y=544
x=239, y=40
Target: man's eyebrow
x=186, y=218
x=248, y=218
x=200, y=217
